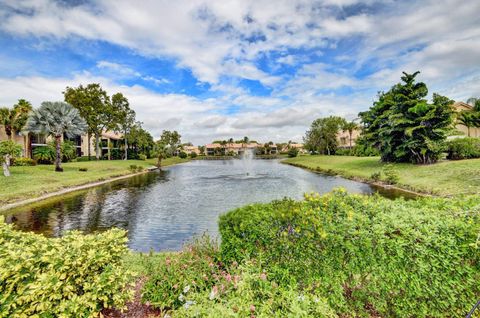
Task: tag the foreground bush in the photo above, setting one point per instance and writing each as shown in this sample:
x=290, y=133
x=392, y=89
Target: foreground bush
x=195, y=283
x=463, y=148
x=366, y=255
x=72, y=276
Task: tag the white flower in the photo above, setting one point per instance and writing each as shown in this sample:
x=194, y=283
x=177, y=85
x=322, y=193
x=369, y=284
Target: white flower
x=186, y=289
x=188, y=304
x=181, y=297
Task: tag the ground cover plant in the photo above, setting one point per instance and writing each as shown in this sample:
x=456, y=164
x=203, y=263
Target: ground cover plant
x=72, y=276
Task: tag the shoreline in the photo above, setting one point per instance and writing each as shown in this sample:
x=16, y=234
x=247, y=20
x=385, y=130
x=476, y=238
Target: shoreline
x=84, y=186
x=331, y=172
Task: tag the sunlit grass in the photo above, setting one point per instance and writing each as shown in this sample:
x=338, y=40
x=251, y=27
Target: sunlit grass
x=444, y=178
x=29, y=182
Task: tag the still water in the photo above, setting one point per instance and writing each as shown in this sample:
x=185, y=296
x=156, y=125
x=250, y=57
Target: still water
x=162, y=210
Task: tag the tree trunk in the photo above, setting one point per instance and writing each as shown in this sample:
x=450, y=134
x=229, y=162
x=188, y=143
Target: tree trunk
x=468, y=131
x=6, y=165
x=89, y=144
x=159, y=162
x=350, y=135
x=58, y=158
x=97, y=147
x=126, y=145
x=8, y=131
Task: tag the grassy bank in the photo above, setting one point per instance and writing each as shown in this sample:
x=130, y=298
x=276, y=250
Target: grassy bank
x=31, y=182
x=446, y=178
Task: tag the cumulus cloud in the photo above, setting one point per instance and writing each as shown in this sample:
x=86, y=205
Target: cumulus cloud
x=337, y=53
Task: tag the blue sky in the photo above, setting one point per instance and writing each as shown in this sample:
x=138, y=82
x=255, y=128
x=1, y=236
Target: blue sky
x=230, y=68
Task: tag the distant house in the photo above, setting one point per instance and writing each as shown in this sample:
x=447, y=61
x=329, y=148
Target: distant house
x=299, y=147
x=216, y=149
x=459, y=107
x=29, y=142
x=190, y=149
x=343, y=138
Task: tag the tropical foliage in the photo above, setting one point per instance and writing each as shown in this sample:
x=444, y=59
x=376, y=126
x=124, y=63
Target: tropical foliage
x=404, y=126
x=56, y=119
x=72, y=276
x=463, y=148
x=46, y=154
x=14, y=119
x=368, y=256
x=8, y=150
x=322, y=136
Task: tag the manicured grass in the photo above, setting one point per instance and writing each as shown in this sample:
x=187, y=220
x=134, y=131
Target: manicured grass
x=445, y=178
x=30, y=182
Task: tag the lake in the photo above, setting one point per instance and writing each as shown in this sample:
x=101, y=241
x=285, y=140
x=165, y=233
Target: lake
x=164, y=209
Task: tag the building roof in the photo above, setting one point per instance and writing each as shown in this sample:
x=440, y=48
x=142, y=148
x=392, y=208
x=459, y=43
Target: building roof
x=459, y=106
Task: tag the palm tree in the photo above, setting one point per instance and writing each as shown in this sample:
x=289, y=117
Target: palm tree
x=161, y=152
x=350, y=127
x=56, y=119
x=467, y=119
x=14, y=119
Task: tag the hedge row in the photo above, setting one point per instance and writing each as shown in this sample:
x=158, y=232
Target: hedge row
x=366, y=255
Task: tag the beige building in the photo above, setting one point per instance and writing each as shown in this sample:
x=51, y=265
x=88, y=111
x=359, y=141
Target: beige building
x=299, y=147
x=343, y=138
x=109, y=141
x=190, y=149
x=461, y=106
x=235, y=148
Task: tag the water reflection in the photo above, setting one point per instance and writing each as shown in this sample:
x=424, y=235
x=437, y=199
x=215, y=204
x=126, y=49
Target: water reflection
x=162, y=210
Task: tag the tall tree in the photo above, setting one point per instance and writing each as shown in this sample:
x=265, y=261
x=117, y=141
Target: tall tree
x=404, y=126
x=171, y=140
x=322, y=136
x=350, y=126
x=56, y=119
x=95, y=107
x=140, y=139
x=468, y=119
x=125, y=117
x=13, y=119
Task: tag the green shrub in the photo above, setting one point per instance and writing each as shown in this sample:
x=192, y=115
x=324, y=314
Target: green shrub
x=140, y=169
x=24, y=162
x=343, y=152
x=391, y=174
x=44, y=154
x=376, y=176
x=183, y=154
x=72, y=276
x=83, y=169
x=133, y=168
x=292, y=152
x=142, y=157
x=366, y=255
x=463, y=148
x=194, y=283
x=193, y=155
x=363, y=149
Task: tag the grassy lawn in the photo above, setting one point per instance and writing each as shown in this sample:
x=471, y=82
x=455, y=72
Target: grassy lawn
x=446, y=178
x=29, y=182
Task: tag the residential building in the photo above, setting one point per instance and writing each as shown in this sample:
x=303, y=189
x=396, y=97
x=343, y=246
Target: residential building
x=343, y=138
x=190, y=149
x=299, y=147
x=461, y=106
x=216, y=149
x=108, y=142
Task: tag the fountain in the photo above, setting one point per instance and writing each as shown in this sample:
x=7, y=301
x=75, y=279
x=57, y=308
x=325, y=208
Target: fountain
x=247, y=158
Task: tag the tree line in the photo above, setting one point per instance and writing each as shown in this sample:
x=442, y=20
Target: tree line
x=401, y=125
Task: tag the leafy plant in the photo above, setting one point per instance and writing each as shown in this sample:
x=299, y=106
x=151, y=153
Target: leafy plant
x=391, y=174
x=366, y=255
x=83, y=169
x=133, y=168
x=376, y=176
x=72, y=276
x=292, y=152
x=8, y=150
x=142, y=157
x=183, y=154
x=463, y=148
x=44, y=154
x=24, y=162
x=193, y=155
x=404, y=126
